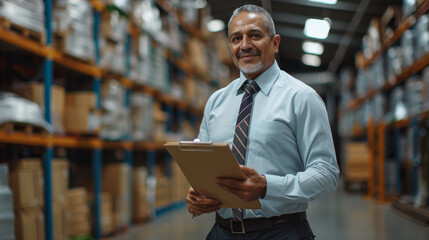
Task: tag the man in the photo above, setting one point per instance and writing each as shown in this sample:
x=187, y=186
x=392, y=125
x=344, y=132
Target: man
x=285, y=143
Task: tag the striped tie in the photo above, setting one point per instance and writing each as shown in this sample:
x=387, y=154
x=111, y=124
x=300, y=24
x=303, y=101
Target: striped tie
x=239, y=145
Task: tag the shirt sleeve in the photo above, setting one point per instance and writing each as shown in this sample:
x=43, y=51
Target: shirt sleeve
x=316, y=148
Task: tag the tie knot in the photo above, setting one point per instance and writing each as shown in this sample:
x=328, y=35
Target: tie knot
x=251, y=87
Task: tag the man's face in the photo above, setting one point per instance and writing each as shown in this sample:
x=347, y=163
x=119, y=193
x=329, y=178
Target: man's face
x=252, y=50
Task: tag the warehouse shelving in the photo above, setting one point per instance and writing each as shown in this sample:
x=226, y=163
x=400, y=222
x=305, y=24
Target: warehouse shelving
x=383, y=138
x=180, y=108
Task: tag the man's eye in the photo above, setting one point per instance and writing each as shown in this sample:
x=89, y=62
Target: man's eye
x=256, y=36
x=235, y=39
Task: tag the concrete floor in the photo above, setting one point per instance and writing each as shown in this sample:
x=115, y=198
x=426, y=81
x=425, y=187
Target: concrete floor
x=339, y=216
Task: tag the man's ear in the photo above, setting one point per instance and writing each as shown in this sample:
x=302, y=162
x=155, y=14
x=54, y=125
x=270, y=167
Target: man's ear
x=276, y=43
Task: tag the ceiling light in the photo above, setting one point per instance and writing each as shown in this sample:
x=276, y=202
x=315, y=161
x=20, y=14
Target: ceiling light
x=215, y=25
x=317, y=28
x=312, y=47
x=325, y=1
x=311, y=60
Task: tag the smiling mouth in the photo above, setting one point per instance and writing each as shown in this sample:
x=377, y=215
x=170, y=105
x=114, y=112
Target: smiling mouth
x=248, y=54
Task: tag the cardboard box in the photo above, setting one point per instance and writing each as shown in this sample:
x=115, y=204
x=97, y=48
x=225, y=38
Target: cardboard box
x=81, y=120
x=78, y=213
x=79, y=229
x=59, y=223
x=106, y=213
x=77, y=196
x=30, y=225
x=27, y=188
x=25, y=163
x=116, y=179
x=35, y=92
x=84, y=100
x=357, y=163
x=60, y=180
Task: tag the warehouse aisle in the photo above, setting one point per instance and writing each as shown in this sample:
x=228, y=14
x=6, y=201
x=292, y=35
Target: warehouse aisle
x=340, y=216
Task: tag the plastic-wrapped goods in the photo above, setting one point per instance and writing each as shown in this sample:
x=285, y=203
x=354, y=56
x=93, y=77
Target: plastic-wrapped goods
x=413, y=95
x=124, y=5
x=25, y=13
x=407, y=46
x=20, y=110
x=409, y=7
x=112, y=56
x=421, y=36
x=73, y=24
x=393, y=62
x=378, y=71
x=159, y=77
x=425, y=89
x=113, y=26
x=146, y=15
x=379, y=107
x=115, y=119
x=397, y=106
x=6, y=206
x=142, y=117
x=361, y=83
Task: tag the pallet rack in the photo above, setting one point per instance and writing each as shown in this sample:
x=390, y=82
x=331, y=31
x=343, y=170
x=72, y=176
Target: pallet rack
x=376, y=132
x=97, y=145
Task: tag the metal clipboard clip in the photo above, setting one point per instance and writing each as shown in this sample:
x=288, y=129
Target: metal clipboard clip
x=189, y=146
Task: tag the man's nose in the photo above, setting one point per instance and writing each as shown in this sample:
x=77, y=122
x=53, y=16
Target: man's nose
x=245, y=43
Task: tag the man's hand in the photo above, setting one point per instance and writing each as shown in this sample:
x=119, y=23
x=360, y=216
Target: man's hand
x=199, y=204
x=254, y=187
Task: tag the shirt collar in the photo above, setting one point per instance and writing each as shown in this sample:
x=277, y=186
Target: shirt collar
x=265, y=81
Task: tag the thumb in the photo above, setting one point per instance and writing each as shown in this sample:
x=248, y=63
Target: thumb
x=248, y=171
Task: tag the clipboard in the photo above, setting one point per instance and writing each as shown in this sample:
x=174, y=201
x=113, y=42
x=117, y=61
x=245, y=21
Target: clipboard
x=202, y=163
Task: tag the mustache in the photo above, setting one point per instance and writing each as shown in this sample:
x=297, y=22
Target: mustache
x=248, y=52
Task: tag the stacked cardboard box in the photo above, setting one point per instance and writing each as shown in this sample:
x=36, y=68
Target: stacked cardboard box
x=35, y=92
x=196, y=55
x=141, y=208
x=357, y=163
x=78, y=214
x=106, y=213
x=180, y=185
x=163, y=188
x=60, y=178
x=116, y=182
x=6, y=206
x=26, y=182
x=81, y=115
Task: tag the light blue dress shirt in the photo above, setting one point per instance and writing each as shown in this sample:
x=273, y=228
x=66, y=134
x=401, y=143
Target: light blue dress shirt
x=289, y=140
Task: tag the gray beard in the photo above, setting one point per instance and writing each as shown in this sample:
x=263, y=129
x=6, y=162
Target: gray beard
x=249, y=69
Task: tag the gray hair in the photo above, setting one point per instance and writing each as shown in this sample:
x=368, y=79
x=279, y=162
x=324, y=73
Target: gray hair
x=268, y=21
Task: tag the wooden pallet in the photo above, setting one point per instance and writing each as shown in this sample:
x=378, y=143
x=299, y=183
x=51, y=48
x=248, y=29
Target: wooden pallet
x=23, y=31
x=28, y=129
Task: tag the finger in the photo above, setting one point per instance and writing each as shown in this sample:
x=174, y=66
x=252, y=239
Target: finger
x=198, y=210
x=230, y=189
x=231, y=183
x=247, y=170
